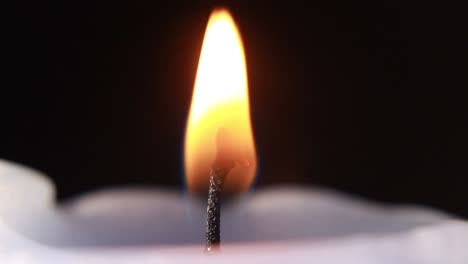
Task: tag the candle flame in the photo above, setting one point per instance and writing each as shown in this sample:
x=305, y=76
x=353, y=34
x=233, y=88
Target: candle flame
x=220, y=101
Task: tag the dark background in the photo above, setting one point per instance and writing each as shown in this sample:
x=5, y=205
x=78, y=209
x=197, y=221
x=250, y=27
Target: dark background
x=367, y=97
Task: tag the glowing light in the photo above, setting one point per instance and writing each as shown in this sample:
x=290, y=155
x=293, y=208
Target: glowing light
x=220, y=100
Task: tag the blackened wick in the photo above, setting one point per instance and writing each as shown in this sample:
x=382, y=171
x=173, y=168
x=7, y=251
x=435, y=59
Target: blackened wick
x=223, y=164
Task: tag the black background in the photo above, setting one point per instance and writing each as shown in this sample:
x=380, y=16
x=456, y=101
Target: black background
x=365, y=97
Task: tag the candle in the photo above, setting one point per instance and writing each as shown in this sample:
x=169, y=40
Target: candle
x=276, y=225
x=270, y=226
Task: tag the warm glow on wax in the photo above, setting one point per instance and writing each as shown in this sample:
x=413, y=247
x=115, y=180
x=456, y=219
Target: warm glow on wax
x=220, y=100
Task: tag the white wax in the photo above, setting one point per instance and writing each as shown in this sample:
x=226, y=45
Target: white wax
x=277, y=225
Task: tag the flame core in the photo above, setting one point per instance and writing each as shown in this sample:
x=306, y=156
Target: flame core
x=220, y=101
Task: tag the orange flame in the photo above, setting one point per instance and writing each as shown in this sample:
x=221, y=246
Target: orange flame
x=220, y=101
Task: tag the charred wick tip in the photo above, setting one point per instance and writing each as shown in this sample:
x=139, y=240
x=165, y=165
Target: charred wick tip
x=219, y=170
x=217, y=178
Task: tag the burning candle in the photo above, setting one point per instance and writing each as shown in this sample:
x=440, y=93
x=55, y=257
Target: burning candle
x=219, y=132
x=277, y=225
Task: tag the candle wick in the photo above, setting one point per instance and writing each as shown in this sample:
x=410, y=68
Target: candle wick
x=223, y=163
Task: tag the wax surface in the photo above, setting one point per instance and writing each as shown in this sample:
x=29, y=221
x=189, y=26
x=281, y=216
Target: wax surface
x=276, y=225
